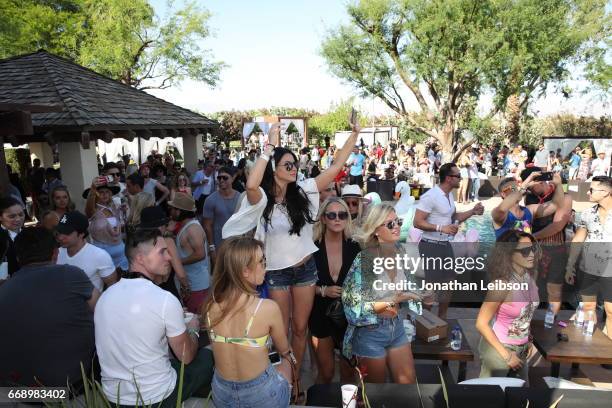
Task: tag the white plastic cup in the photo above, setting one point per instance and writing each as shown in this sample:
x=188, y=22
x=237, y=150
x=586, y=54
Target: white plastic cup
x=349, y=396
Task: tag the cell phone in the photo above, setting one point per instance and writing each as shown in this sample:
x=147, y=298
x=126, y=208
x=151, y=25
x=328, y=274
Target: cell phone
x=547, y=176
x=353, y=118
x=109, y=179
x=275, y=357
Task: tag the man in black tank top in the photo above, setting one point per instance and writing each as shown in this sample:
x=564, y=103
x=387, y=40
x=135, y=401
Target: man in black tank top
x=549, y=230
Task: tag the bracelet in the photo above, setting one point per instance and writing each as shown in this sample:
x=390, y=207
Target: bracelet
x=264, y=156
x=323, y=290
x=211, y=247
x=193, y=331
x=438, y=228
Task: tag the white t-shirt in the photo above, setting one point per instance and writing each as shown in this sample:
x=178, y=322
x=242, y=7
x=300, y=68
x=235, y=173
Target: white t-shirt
x=133, y=320
x=95, y=262
x=440, y=208
x=284, y=250
x=206, y=189
x=403, y=188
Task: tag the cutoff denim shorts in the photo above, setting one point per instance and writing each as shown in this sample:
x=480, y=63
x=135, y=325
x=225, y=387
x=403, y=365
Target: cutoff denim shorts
x=373, y=341
x=270, y=390
x=303, y=275
x=117, y=253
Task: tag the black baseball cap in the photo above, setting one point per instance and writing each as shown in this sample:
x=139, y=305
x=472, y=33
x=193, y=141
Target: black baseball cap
x=72, y=221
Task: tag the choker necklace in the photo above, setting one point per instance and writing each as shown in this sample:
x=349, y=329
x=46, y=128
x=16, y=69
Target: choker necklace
x=136, y=275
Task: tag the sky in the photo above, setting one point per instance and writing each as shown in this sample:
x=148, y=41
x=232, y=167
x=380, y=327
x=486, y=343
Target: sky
x=272, y=49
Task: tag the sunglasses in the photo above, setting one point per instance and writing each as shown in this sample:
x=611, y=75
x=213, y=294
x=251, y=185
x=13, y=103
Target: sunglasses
x=115, y=174
x=391, y=224
x=352, y=203
x=222, y=178
x=511, y=188
x=454, y=175
x=591, y=190
x=290, y=165
x=526, y=251
x=342, y=215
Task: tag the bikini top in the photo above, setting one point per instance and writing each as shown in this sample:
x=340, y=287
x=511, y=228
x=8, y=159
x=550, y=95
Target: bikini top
x=243, y=341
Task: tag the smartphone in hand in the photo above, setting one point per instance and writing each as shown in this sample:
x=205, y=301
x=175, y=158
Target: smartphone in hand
x=547, y=176
x=353, y=117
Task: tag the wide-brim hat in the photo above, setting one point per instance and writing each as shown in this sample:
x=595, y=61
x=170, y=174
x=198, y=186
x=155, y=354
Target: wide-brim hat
x=352, y=190
x=114, y=189
x=153, y=217
x=183, y=201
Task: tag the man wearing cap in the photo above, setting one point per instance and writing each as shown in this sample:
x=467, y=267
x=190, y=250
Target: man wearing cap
x=191, y=245
x=357, y=170
x=353, y=197
x=75, y=250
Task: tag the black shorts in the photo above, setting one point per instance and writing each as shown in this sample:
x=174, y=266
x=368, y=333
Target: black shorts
x=358, y=180
x=434, y=254
x=554, y=262
x=599, y=286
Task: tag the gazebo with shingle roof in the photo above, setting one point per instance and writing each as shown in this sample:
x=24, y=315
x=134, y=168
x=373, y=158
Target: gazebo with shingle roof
x=89, y=106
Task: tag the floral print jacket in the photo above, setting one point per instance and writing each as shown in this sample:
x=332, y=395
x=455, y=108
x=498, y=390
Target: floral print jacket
x=359, y=296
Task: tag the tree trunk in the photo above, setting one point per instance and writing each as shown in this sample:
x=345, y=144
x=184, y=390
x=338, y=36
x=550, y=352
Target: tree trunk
x=512, y=116
x=445, y=138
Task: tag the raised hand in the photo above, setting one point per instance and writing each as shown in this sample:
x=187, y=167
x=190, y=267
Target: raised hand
x=274, y=134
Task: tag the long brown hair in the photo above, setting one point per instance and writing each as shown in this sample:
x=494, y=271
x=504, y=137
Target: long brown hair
x=228, y=284
x=500, y=262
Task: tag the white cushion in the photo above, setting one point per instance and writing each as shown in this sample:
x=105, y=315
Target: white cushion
x=503, y=382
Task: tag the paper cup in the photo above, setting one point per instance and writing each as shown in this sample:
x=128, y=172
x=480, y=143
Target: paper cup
x=349, y=396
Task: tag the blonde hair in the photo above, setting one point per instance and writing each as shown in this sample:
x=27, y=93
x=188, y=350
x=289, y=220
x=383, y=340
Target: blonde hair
x=228, y=284
x=137, y=203
x=375, y=217
x=320, y=227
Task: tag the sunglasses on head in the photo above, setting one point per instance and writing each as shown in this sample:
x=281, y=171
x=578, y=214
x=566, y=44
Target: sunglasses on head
x=391, y=224
x=526, y=251
x=342, y=215
x=222, y=178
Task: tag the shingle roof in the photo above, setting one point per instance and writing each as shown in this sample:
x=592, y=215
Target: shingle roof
x=90, y=101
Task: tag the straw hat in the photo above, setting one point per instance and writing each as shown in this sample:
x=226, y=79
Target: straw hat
x=183, y=201
x=352, y=190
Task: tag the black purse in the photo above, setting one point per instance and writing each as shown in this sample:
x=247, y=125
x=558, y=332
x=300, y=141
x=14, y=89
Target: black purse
x=335, y=313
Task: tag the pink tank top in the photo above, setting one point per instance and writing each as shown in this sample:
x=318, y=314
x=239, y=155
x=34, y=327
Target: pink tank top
x=513, y=318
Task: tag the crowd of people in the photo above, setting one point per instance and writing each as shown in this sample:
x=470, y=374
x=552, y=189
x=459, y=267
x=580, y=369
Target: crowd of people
x=271, y=253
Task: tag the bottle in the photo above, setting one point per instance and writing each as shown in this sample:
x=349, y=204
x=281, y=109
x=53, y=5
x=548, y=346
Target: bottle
x=456, y=338
x=579, y=319
x=549, y=320
x=589, y=323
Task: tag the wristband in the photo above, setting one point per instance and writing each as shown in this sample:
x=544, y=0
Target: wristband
x=211, y=247
x=264, y=156
x=438, y=228
x=323, y=290
x=193, y=331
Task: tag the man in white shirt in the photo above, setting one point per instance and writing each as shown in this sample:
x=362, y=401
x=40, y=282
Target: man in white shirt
x=437, y=217
x=137, y=323
x=203, y=185
x=95, y=262
x=600, y=166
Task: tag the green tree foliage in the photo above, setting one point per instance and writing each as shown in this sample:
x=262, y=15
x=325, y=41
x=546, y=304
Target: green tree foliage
x=231, y=123
x=440, y=53
x=577, y=126
x=124, y=40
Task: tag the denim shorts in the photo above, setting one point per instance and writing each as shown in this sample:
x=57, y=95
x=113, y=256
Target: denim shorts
x=269, y=389
x=372, y=341
x=303, y=275
x=117, y=253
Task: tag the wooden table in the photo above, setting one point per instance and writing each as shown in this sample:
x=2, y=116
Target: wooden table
x=439, y=350
x=578, y=349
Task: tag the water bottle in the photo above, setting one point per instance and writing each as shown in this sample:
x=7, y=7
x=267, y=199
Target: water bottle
x=456, y=338
x=549, y=320
x=579, y=319
x=589, y=323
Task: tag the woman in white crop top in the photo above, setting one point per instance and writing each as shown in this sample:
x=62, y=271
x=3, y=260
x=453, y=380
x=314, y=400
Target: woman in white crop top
x=287, y=220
